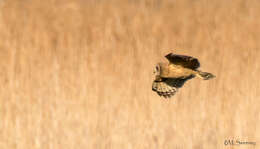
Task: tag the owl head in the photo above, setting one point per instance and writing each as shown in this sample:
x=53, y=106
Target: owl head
x=157, y=72
x=157, y=69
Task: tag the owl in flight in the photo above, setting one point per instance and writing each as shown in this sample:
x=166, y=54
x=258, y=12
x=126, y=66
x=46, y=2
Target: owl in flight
x=171, y=76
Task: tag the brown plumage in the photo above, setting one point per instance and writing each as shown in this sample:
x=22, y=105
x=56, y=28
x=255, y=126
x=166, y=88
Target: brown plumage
x=171, y=76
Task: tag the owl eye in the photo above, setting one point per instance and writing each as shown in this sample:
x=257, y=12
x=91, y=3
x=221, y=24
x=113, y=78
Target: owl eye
x=157, y=68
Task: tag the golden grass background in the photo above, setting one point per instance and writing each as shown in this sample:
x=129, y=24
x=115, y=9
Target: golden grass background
x=78, y=74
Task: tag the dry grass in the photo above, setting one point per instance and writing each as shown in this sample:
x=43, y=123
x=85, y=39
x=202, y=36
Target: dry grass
x=77, y=74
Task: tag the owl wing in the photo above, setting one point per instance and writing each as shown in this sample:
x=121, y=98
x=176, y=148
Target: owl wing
x=185, y=61
x=168, y=86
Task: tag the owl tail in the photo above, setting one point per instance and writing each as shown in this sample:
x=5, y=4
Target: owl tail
x=205, y=75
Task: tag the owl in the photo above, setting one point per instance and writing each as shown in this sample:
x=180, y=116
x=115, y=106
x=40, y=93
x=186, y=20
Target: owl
x=169, y=77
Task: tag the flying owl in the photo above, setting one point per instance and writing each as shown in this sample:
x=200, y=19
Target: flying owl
x=171, y=76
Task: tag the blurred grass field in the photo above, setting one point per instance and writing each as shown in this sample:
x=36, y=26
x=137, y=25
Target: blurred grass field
x=78, y=74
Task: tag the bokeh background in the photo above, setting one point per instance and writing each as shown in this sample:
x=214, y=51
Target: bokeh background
x=78, y=74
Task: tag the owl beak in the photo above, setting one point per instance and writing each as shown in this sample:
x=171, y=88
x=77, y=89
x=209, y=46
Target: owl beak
x=154, y=71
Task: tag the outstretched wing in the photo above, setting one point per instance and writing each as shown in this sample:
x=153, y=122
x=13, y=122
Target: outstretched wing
x=168, y=86
x=185, y=61
x=163, y=89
